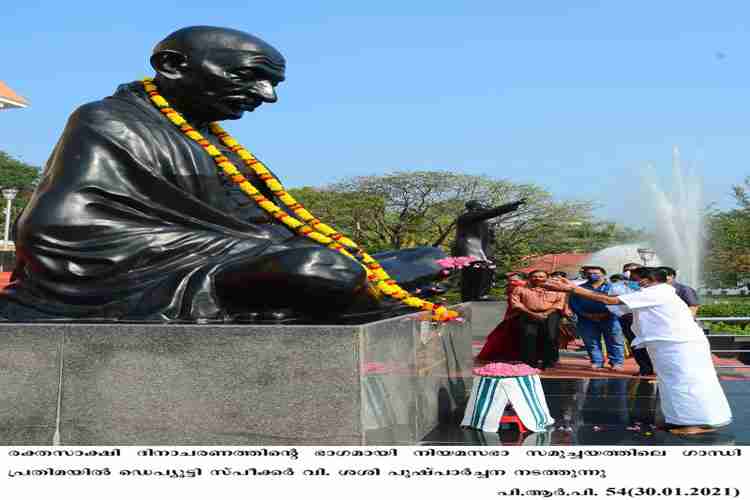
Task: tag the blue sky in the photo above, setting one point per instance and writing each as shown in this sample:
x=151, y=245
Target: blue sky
x=572, y=96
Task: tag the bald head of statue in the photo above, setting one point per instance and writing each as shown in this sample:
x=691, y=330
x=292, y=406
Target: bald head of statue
x=212, y=74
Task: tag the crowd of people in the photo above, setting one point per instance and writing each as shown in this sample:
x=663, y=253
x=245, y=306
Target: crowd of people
x=543, y=320
x=643, y=311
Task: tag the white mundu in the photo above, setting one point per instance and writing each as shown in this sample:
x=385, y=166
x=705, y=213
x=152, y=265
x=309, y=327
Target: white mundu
x=689, y=389
x=490, y=396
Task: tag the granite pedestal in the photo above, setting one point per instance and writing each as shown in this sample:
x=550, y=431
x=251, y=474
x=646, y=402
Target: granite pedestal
x=485, y=316
x=387, y=382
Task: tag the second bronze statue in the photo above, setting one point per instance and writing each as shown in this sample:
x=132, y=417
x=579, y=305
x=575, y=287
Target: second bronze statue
x=474, y=238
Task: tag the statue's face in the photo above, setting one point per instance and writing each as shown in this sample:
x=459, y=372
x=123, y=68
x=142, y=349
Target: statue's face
x=217, y=74
x=223, y=84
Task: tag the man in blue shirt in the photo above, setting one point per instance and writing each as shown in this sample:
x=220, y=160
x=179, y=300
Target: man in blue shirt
x=596, y=322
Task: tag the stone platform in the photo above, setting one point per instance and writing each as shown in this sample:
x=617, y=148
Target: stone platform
x=387, y=382
x=485, y=316
x=606, y=412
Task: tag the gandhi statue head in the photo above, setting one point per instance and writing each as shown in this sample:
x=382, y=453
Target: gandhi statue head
x=212, y=74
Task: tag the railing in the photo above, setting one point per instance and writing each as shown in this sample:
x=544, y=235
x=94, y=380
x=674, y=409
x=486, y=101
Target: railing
x=727, y=319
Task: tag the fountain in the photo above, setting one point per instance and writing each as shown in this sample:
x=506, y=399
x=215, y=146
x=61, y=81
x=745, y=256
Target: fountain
x=677, y=220
x=613, y=258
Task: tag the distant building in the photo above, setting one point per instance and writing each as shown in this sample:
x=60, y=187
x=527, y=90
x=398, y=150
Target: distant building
x=9, y=99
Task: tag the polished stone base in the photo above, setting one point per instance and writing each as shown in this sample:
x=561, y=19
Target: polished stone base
x=607, y=412
x=387, y=382
x=485, y=316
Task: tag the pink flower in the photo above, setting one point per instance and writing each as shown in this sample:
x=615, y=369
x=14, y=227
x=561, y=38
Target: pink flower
x=455, y=262
x=505, y=370
x=380, y=368
x=374, y=367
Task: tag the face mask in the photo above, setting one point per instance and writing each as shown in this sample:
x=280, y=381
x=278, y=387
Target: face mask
x=595, y=277
x=633, y=284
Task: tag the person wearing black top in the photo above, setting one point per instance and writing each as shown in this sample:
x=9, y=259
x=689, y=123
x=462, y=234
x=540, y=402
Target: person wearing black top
x=645, y=367
x=688, y=294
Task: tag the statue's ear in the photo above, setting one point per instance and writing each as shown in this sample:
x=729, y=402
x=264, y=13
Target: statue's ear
x=170, y=64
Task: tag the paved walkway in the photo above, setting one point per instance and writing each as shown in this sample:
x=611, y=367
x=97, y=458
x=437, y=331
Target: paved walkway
x=574, y=364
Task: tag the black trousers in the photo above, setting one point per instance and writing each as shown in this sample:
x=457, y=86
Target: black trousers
x=641, y=355
x=476, y=280
x=535, y=332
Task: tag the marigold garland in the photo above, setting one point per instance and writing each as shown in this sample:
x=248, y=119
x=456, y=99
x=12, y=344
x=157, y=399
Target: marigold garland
x=309, y=226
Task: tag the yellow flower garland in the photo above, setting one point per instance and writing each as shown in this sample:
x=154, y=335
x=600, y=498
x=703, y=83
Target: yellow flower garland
x=309, y=226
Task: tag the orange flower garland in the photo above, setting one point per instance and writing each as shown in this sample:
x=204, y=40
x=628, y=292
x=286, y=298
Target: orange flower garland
x=309, y=226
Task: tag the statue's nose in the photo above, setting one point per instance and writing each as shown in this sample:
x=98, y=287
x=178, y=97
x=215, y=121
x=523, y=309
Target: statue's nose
x=264, y=89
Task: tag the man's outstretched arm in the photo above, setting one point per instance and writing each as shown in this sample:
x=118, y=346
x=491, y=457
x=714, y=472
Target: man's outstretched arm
x=564, y=285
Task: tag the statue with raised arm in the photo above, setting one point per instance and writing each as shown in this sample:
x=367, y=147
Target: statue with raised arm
x=474, y=238
x=148, y=210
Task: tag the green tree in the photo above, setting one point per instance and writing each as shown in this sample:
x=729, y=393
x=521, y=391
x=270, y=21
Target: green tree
x=407, y=209
x=17, y=174
x=727, y=261
x=741, y=194
x=343, y=211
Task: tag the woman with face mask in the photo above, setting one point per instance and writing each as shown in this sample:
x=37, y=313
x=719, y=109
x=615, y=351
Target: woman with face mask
x=691, y=397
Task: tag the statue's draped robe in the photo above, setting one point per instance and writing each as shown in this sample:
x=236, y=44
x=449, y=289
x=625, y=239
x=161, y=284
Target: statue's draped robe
x=131, y=220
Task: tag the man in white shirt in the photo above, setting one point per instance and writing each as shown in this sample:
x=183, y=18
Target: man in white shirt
x=692, y=399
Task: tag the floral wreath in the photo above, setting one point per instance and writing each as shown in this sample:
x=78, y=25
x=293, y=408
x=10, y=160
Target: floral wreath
x=305, y=223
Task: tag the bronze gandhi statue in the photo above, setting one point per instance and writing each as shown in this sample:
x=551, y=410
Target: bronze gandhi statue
x=132, y=220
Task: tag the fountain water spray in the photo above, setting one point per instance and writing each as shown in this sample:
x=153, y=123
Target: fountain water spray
x=613, y=258
x=675, y=217
x=677, y=220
